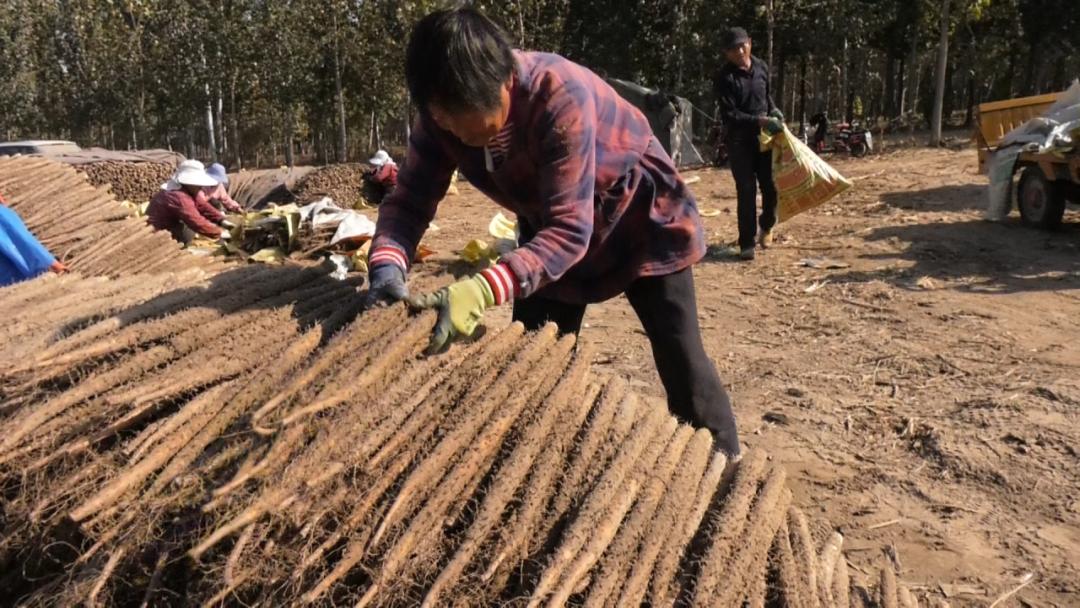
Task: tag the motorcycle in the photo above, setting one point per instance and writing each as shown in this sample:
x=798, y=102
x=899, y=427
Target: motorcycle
x=851, y=138
x=857, y=140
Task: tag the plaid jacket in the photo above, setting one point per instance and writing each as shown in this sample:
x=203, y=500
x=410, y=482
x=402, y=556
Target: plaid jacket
x=583, y=172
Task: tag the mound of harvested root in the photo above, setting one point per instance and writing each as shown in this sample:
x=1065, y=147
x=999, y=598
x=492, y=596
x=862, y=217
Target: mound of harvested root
x=129, y=181
x=253, y=438
x=85, y=227
x=343, y=183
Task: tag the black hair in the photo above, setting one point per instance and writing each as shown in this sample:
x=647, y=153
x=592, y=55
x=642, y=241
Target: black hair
x=457, y=59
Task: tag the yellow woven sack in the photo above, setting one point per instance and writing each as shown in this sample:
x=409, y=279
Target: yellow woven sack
x=803, y=180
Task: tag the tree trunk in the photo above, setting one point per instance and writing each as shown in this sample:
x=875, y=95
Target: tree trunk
x=845, y=85
x=676, y=44
x=1031, y=74
x=825, y=94
x=889, y=95
x=1006, y=91
x=342, y=142
x=219, y=117
x=1059, y=81
x=820, y=94
x=289, y=131
x=969, y=116
x=371, y=133
x=912, y=89
x=140, y=113
x=915, y=95
x=948, y=104
x=802, y=97
x=190, y=132
x=794, y=97
x=779, y=81
x=942, y=69
x=770, y=25
x=210, y=125
x=521, y=23
x=210, y=139
x=237, y=155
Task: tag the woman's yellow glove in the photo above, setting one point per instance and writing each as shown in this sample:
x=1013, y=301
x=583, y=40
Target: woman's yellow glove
x=461, y=305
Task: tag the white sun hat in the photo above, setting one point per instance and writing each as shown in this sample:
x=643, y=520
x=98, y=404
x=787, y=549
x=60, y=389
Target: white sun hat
x=189, y=173
x=381, y=158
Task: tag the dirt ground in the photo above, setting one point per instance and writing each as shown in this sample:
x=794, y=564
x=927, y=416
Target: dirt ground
x=920, y=384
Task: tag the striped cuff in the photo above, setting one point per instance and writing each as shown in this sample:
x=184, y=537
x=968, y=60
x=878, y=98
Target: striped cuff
x=502, y=282
x=388, y=255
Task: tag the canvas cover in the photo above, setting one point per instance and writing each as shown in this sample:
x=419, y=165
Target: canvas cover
x=671, y=118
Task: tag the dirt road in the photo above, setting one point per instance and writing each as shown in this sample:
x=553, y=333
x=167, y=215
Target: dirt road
x=916, y=369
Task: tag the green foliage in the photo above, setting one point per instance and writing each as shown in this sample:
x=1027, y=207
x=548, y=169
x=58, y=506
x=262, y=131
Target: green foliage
x=141, y=73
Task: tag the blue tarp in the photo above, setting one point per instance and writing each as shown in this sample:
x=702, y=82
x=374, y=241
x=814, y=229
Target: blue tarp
x=22, y=257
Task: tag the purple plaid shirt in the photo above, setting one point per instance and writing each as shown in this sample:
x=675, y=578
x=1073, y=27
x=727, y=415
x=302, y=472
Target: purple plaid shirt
x=598, y=200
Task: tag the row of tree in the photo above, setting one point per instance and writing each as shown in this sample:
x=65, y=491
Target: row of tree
x=260, y=82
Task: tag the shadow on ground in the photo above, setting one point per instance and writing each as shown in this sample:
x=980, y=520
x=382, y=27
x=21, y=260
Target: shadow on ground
x=978, y=256
x=966, y=197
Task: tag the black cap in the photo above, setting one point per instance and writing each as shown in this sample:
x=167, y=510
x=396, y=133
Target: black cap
x=733, y=37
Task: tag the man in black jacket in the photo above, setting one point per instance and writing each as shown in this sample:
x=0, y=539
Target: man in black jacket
x=747, y=108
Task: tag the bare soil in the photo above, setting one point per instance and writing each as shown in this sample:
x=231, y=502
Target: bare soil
x=920, y=385
x=245, y=436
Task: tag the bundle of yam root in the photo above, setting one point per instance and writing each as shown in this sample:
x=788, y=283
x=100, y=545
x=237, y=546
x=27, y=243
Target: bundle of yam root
x=250, y=435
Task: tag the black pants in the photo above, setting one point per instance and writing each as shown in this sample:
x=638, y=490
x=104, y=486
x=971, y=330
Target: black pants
x=374, y=191
x=182, y=234
x=667, y=308
x=751, y=167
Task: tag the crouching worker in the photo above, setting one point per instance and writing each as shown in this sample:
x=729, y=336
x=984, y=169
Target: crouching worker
x=22, y=257
x=183, y=208
x=219, y=194
x=382, y=178
x=601, y=209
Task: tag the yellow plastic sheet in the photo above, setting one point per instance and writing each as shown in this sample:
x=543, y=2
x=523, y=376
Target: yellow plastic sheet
x=423, y=252
x=478, y=250
x=270, y=255
x=135, y=209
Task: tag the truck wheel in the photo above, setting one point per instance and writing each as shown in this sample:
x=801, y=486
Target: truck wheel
x=1041, y=201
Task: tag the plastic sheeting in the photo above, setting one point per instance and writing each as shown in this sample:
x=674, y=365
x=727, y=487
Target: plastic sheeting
x=1057, y=129
x=22, y=257
x=350, y=224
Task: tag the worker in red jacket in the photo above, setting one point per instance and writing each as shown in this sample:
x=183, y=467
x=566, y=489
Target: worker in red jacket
x=601, y=209
x=183, y=208
x=382, y=177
